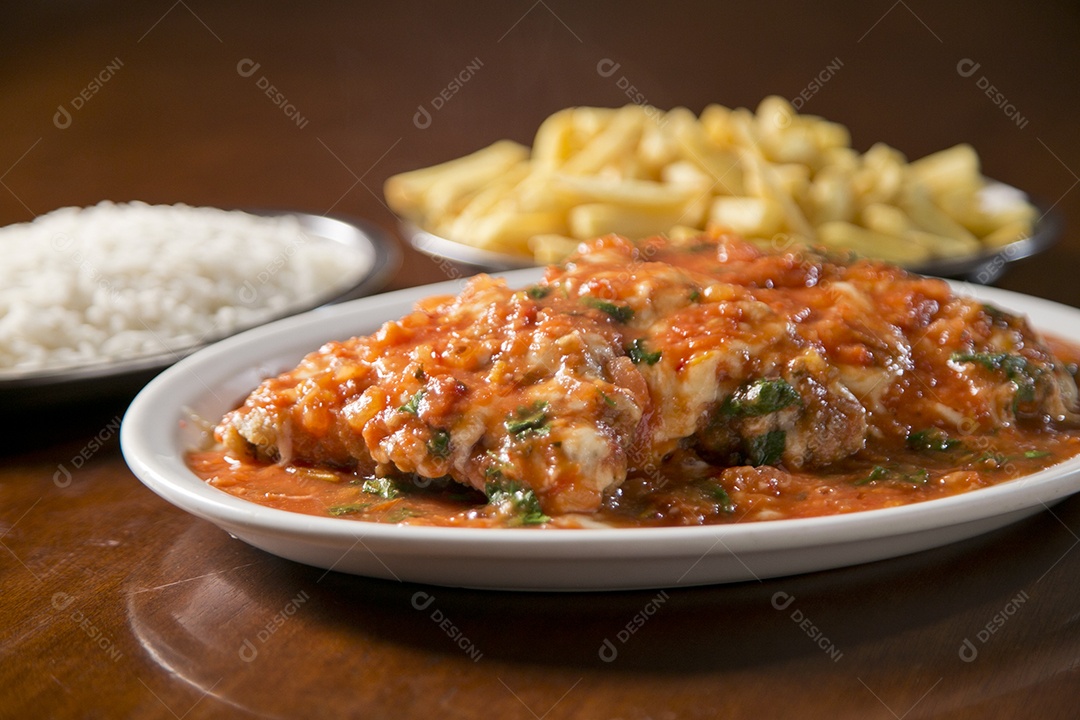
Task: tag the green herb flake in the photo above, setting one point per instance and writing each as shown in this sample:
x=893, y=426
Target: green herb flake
x=1034, y=454
x=896, y=473
x=608, y=400
x=720, y=495
x=339, y=510
x=999, y=316
x=381, y=486
x=529, y=421
x=639, y=353
x=918, y=477
x=439, y=444
x=931, y=440
x=992, y=458
x=521, y=502
x=695, y=296
x=879, y=472
x=413, y=404
x=767, y=449
x=1012, y=364
x=620, y=313
x=761, y=397
x=398, y=514
x=536, y=292
x=1016, y=368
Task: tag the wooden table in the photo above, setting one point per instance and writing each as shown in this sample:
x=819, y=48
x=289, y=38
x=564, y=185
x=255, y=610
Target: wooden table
x=116, y=604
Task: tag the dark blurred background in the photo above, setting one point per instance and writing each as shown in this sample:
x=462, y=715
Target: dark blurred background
x=167, y=101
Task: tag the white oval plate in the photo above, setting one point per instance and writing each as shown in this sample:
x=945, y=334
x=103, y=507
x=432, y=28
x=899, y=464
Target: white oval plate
x=158, y=430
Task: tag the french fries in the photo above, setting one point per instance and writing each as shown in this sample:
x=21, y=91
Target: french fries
x=640, y=171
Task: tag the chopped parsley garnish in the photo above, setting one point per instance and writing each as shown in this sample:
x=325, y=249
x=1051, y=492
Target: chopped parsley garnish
x=607, y=399
x=621, y=313
x=439, y=444
x=993, y=458
x=908, y=474
x=878, y=473
x=767, y=449
x=920, y=476
x=1016, y=368
x=413, y=404
x=695, y=296
x=398, y=514
x=1010, y=363
x=997, y=314
x=761, y=397
x=529, y=421
x=339, y=510
x=720, y=495
x=537, y=292
x=639, y=353
x=931, y=440
x=519, y=501
x=381, y=486
x=999, y=459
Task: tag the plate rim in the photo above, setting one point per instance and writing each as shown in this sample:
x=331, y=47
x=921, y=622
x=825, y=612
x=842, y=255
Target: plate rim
x=143, y=429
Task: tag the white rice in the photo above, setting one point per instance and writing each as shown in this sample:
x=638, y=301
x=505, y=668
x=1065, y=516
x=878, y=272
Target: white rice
x=117, y=281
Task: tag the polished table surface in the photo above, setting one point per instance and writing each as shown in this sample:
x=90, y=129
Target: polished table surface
x=116, y=604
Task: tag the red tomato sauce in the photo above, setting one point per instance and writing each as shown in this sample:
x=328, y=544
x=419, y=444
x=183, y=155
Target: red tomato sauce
x=672, y=495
